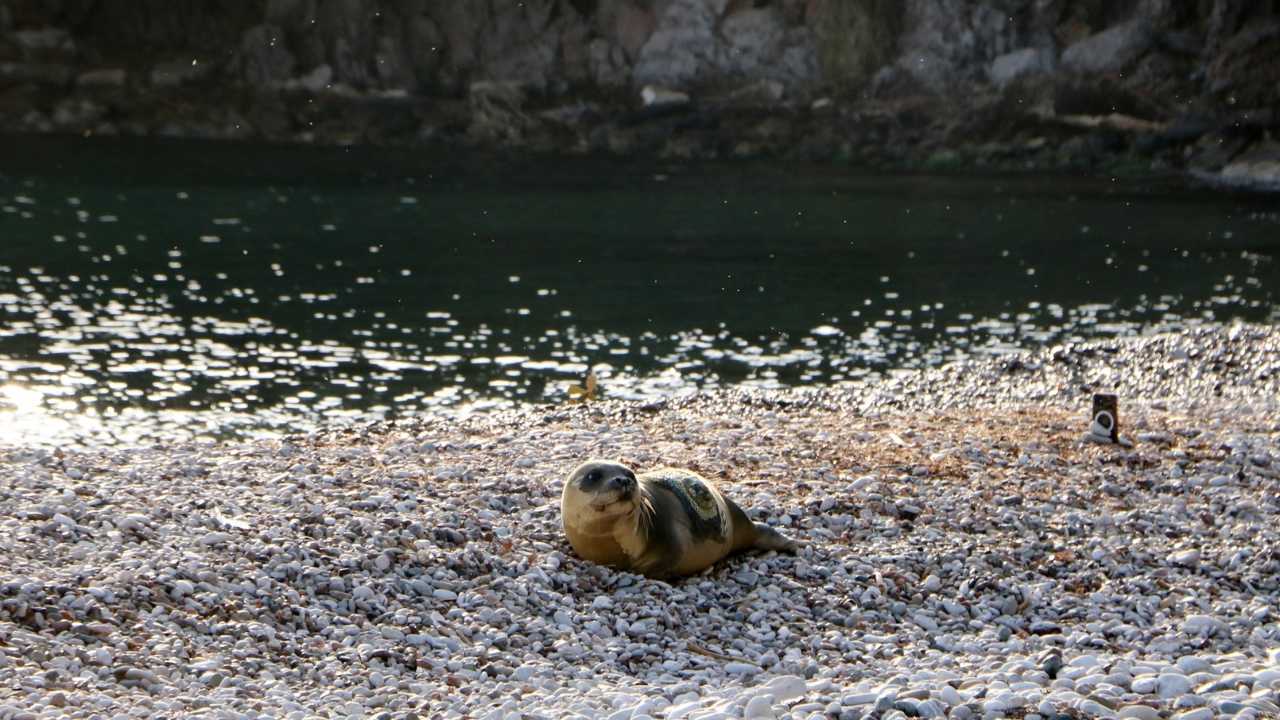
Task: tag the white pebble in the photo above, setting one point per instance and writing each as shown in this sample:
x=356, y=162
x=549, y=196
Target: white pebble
x=1139, y=712
x=1145, y=684
x=1191, y=664
x=1170, y=685
x=1203, y=625
x=214, y=538
x=760, y=706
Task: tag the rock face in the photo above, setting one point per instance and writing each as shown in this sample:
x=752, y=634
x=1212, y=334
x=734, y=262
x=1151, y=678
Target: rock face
x=697, y=43
x=1258, y=169
x=1020, y=63
x=947, y=45
x=1110, y=50
x=938, y=69
x=433, y=46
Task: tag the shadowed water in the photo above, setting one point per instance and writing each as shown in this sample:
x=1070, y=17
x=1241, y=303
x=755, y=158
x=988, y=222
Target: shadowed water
x=156, y=290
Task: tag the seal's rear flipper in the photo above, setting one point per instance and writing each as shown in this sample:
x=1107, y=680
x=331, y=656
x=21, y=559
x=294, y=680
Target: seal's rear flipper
x=769, y=539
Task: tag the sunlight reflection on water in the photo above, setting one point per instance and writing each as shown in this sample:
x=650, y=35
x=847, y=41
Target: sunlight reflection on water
x=23, y=418
x=140, y=312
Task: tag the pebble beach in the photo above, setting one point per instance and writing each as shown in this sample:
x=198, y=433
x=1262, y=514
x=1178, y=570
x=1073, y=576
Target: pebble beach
x=967, y=554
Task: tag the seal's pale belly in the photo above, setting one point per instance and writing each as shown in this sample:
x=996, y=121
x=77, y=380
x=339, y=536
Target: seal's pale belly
x=603, y=550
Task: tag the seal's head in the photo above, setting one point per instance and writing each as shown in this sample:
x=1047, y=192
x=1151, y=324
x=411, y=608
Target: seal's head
x=597, y=494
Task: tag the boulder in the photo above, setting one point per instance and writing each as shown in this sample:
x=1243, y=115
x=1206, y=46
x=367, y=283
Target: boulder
x=1020, y=63
x=760, y=45
x=683, y=45
x=949, y=44
x=1257, y=168
x=753, y=38
x=1110, y=50
x=318, y=80
x=694, y=44
x=1214, y=151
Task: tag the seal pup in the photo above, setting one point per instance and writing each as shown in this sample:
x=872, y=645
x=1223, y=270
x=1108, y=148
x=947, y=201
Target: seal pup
x=663, y=523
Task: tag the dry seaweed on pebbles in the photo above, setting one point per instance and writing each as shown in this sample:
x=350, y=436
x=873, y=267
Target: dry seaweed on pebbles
x=968, y=556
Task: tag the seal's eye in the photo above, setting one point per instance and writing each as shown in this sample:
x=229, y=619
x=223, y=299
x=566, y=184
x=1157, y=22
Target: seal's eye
x=593, y=476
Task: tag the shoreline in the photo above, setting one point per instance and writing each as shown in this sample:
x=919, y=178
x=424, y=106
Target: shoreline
x=889, y=388
x=322, y=162
x=968, y=556
x=796, y=136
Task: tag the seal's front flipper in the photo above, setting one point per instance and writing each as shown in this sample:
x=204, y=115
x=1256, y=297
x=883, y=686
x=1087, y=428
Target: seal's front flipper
x=769, y=539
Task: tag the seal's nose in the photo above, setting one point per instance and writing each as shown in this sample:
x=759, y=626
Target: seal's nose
x=622, y=482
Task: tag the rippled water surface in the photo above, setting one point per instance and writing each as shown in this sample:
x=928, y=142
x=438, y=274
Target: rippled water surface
x=156, y=290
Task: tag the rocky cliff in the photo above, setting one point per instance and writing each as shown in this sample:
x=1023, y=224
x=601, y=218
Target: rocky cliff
x=1115, y=84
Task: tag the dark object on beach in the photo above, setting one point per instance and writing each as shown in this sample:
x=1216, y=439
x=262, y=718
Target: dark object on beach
x=1106, y=417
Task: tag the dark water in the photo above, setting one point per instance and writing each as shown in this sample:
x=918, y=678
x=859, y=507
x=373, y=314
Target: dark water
x=160, y=289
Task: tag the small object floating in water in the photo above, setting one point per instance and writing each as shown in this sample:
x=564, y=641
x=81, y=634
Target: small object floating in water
x=1104, y=425
x=578, y=393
